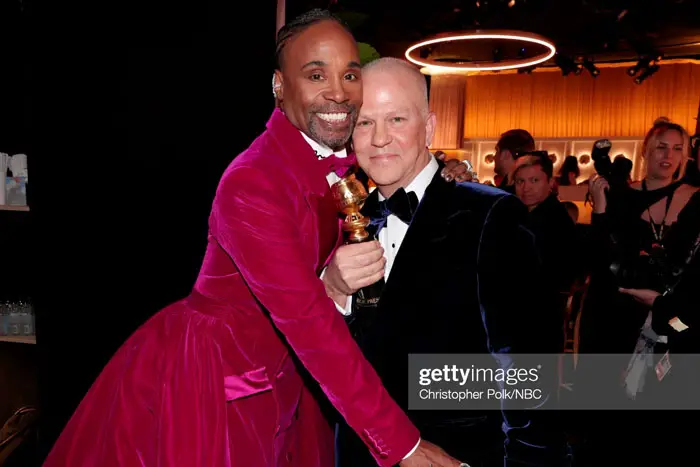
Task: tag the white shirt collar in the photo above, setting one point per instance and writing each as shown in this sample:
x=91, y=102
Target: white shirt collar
x=421, y=181
x=321, y=150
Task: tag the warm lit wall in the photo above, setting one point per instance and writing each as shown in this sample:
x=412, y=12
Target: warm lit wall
x=550, y=105
x=481, y=151
x=447, y=95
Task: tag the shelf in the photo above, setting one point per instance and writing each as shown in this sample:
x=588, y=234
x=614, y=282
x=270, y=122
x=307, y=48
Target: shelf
x=7, y=207
x=19, y=339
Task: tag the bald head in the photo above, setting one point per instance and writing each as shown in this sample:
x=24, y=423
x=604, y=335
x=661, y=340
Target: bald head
x=395, y=127
x=406, y=73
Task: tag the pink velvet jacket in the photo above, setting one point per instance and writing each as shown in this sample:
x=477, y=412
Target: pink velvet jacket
x=210, y=381
x=272, y=229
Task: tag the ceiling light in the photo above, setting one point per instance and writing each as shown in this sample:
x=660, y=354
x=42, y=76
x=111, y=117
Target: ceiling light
x=413, y=52
x=592, y=69
x=567, y=65
x=646, y=73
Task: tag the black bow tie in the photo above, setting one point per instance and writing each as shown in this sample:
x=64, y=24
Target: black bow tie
x=401, y=204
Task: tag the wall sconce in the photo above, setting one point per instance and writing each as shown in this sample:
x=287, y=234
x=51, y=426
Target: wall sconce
x=489, y=158
x=584, y=159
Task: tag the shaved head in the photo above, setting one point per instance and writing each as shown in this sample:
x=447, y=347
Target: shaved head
x=395, y=127
x=417, y=86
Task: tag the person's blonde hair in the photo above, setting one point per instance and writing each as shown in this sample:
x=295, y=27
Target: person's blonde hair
x=661, y=126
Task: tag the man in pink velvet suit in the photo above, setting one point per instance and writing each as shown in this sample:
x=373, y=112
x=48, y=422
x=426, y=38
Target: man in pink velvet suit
x=212, y=380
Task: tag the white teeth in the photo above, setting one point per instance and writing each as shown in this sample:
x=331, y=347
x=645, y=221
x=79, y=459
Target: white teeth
x=333, y=117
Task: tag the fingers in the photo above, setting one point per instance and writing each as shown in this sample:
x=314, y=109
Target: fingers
x=360, y=255
x=465, y=177
x=354, y=249
x=371, y=279
x=455, y=171
x=359, y=265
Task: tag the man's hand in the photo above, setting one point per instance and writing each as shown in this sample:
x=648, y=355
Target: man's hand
x=597, y=187
x=644, y=296
x=429, y=455
x=454, y=169
x=353, y=267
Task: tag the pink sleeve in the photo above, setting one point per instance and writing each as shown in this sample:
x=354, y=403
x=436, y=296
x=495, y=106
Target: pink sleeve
x=253, y=220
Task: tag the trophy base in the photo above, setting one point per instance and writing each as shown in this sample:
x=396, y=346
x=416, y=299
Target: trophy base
x=367, y=298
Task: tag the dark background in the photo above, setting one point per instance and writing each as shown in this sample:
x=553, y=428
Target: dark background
x=129, y=113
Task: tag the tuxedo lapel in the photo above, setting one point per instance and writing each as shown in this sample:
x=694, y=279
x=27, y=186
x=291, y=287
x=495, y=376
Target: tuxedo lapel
x=426, y=241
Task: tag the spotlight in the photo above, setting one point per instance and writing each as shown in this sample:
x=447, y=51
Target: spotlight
x=646, y=73
x=592, y=69
x=567, y=65
x=647, y=65
x=643, y=63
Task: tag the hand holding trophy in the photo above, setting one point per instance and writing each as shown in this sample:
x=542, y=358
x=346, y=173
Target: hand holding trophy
x=349, y=195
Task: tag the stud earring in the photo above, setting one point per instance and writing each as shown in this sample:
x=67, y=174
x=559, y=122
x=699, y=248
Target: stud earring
x=275, y=86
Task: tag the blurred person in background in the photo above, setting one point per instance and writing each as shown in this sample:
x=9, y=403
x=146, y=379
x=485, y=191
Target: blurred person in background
x=568, y=172
x=555, y=231
x=572, y=209
x=642, y=232
x=509, y=147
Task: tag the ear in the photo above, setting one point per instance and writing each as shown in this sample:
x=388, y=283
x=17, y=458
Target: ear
x=551, y=182
x=278, y=85
x=430, y=124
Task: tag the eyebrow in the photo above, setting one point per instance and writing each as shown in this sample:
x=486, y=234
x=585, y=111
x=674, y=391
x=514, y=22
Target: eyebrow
x=320, y=63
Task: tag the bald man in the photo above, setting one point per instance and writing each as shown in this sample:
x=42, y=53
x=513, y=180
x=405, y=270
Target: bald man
x=418, y=219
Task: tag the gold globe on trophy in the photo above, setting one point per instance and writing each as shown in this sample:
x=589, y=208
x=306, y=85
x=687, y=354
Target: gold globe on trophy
x=349, y=195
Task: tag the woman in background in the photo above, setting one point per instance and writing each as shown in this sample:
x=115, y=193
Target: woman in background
x=569, y=172
x=641, y=231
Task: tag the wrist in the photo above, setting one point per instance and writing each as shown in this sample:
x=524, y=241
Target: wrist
x=336, y=295
x=412, y=451
x=340, y=299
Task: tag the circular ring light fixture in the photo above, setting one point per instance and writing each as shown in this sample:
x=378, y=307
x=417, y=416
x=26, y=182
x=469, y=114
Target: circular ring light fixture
x=413, y=52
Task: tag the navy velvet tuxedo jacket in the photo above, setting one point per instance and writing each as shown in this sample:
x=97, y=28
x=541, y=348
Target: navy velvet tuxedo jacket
x=467, y=280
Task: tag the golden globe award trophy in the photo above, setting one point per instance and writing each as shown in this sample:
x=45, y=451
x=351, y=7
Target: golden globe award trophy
x=349, y=195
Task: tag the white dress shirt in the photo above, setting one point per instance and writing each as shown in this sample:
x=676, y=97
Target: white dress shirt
x=393, y=233
x=324, y=151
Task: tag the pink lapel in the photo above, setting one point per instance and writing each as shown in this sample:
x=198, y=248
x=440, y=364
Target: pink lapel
x=298, y=153
x=311, y=175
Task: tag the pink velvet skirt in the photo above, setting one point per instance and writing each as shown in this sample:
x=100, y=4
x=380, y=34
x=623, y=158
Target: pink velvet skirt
x=166, y=399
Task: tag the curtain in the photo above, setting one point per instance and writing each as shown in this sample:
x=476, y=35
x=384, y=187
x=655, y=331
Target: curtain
x=550, y=105
x=447, y=101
